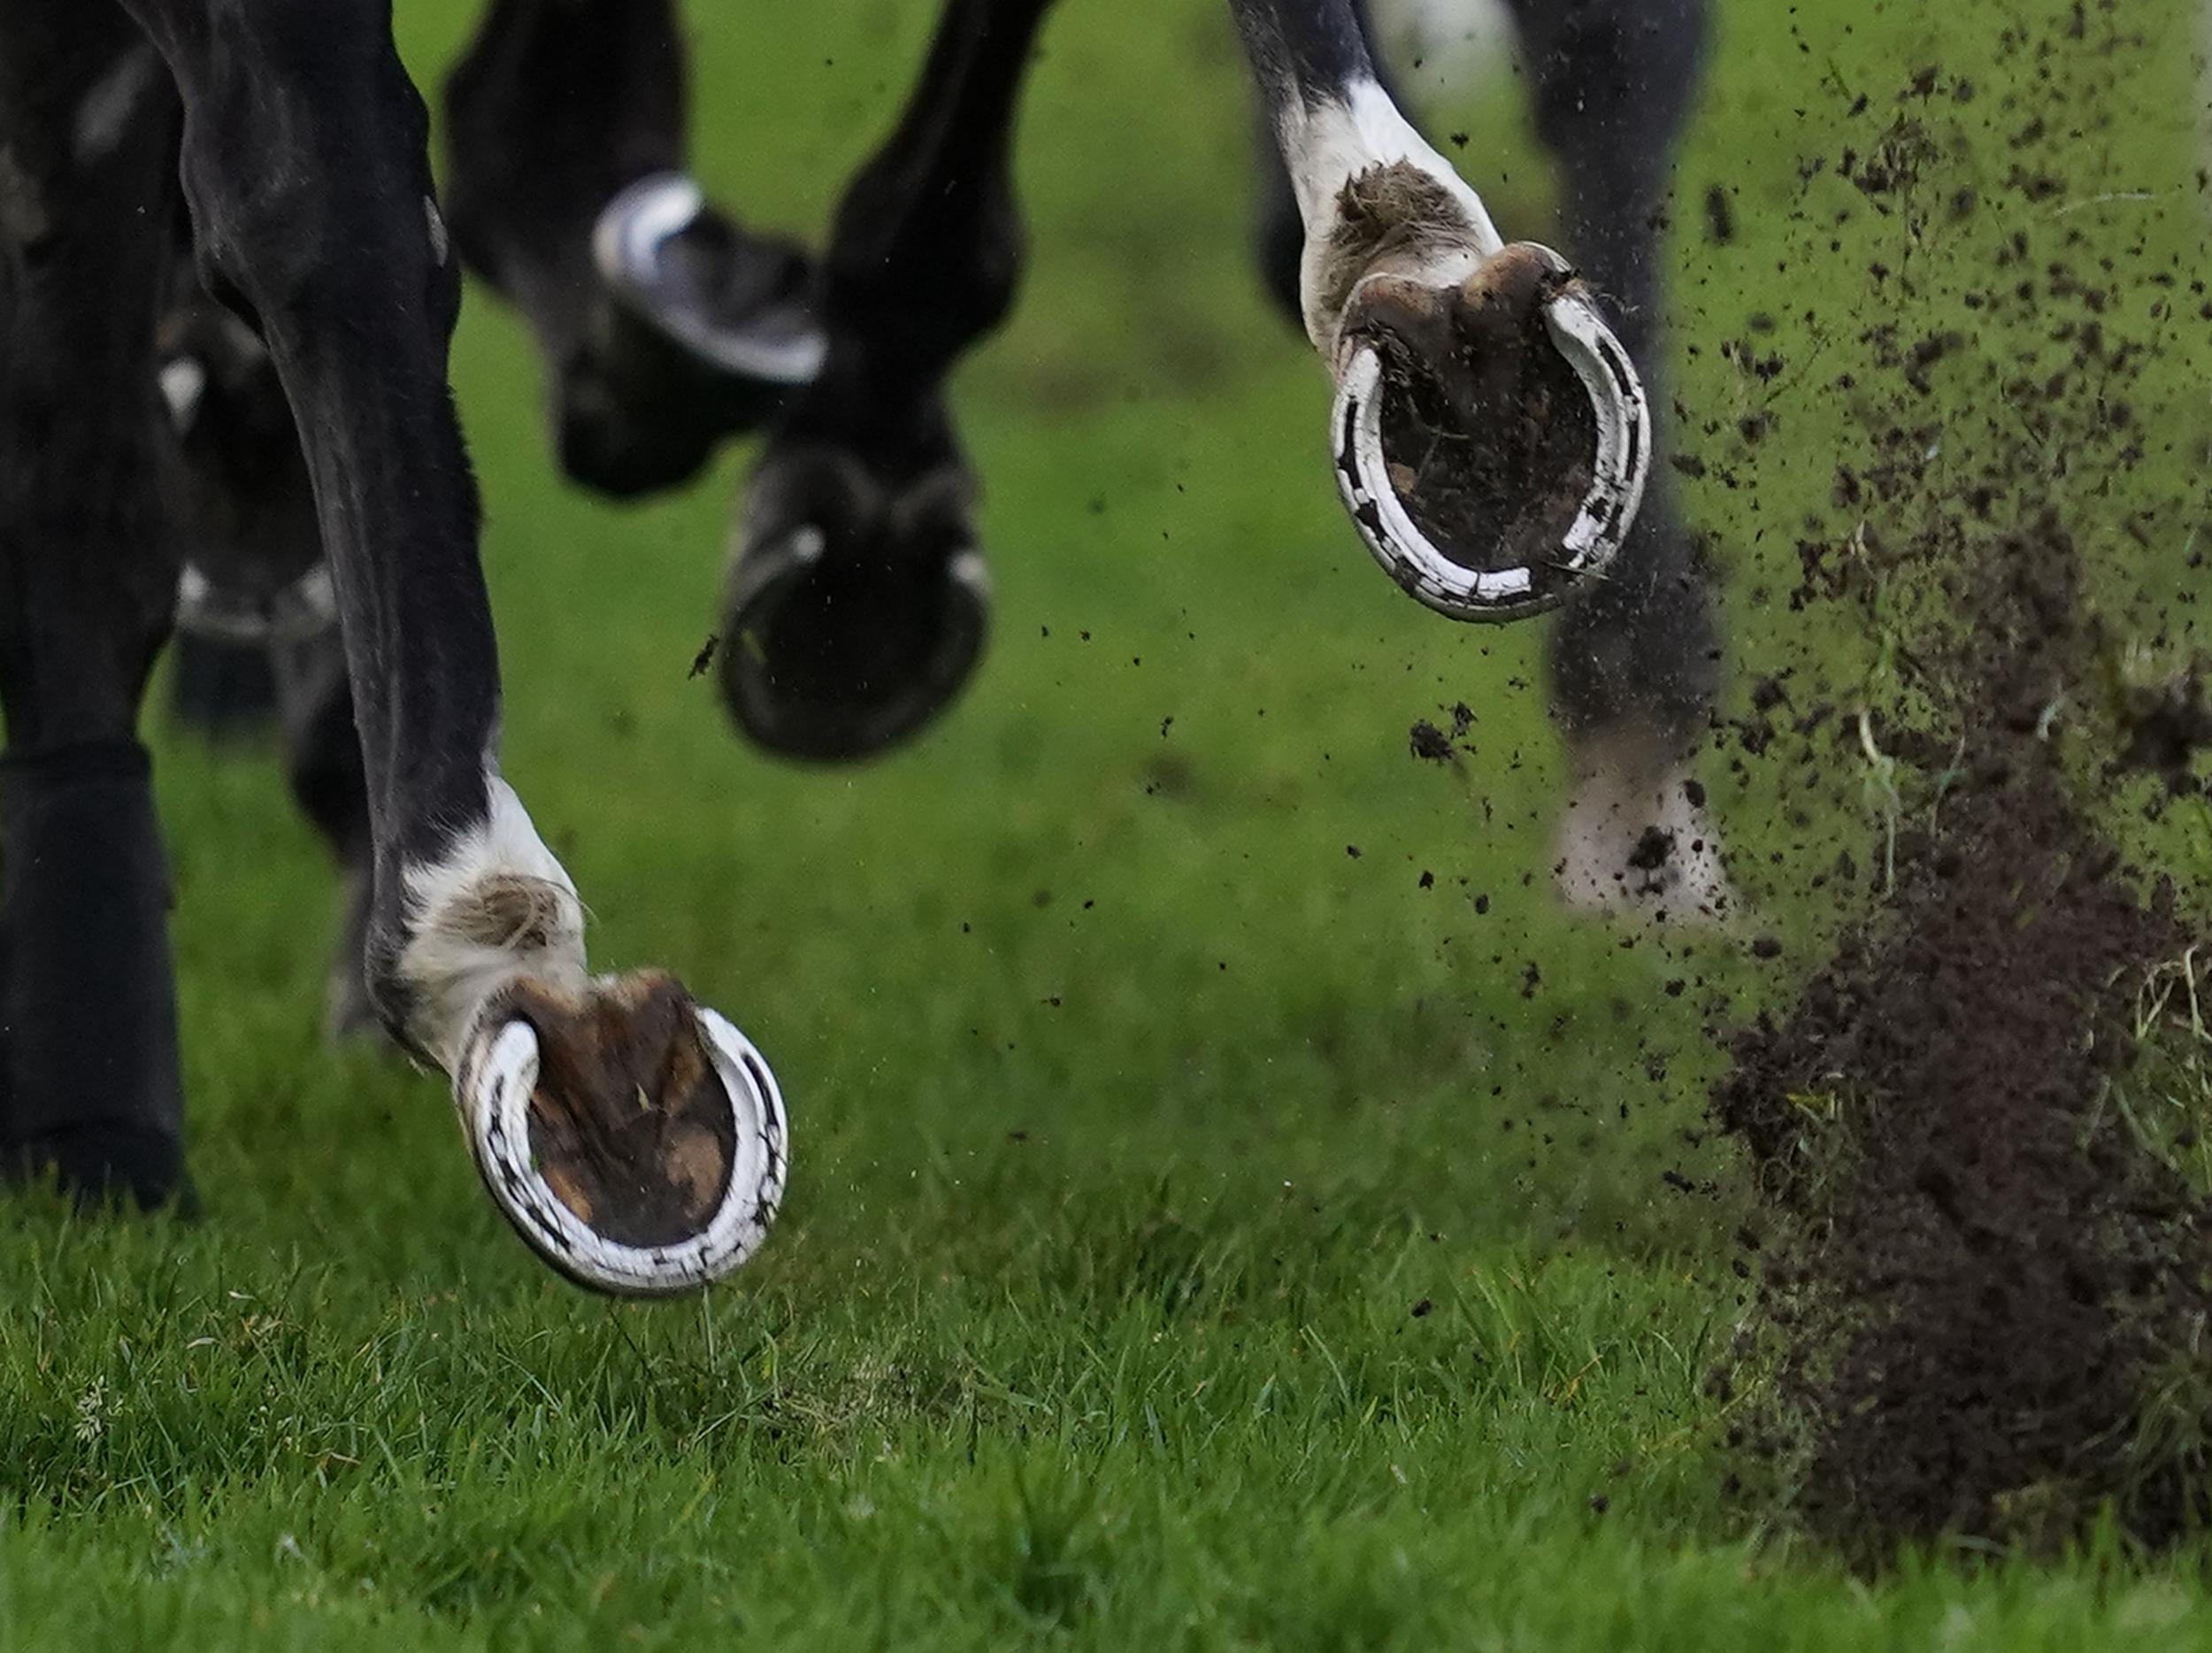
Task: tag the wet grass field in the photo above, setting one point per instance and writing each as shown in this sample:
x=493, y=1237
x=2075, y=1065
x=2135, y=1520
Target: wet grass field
x=1232, y=1204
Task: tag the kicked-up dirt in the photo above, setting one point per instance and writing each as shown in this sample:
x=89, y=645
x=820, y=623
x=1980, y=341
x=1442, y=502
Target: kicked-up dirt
x=1980, y=1288
x=1974, y=1270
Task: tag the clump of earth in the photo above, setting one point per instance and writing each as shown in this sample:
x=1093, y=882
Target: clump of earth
x=1982, y=1280
x=1977, y=1277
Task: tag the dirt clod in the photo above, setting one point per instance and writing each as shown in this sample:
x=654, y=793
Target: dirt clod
x=1430, y=742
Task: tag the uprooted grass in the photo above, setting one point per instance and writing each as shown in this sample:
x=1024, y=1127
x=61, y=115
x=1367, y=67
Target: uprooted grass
x=1199, y=1235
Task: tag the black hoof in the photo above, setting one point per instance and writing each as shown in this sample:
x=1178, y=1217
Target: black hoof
x=700, y=334
x=101, y=1170
x=90, y=1095
x=856, y=611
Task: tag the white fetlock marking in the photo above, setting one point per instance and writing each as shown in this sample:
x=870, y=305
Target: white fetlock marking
x=103, y=114
x=1325, y=147
x=450, y=965
x=183, y=382
x=493, y=1088
x=1603, y=828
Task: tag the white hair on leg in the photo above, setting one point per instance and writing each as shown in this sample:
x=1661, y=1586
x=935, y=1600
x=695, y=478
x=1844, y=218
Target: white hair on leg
x=104, y=113
x=497, y=906
x=1325, y=146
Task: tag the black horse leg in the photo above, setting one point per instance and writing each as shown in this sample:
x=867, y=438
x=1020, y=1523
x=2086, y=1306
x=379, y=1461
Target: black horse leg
x=1635, y=660
x=633, y=1139
x=89, y=1087
x=665, y=327
x=858, y=601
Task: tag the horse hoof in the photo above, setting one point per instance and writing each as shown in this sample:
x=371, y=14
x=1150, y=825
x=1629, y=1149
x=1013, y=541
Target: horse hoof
x=635, y=1142
x=1490, y=438
x=106, y=1169
x=702, y=334
x=857, y=608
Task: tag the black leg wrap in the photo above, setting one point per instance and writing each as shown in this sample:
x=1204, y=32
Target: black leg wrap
x=92, y=1095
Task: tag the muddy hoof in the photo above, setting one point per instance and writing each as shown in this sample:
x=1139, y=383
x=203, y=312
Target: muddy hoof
x=1490, y=438
x=635, y=1141
x=857, y=608
x=700, y=334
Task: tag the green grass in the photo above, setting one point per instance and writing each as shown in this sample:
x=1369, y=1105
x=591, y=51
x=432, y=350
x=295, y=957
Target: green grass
x=1200, y=1234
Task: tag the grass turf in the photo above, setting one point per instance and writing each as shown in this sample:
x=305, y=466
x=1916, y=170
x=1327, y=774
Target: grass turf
x=1203, y=1233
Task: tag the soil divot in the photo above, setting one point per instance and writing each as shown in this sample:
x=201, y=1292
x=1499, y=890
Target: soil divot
x=1975, y=1272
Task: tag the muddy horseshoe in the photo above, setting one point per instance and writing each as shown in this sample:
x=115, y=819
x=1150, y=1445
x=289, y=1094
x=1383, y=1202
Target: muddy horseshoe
x=636, y=1141
x=632, y=1138
x=1489, y=435
x=1494, y=472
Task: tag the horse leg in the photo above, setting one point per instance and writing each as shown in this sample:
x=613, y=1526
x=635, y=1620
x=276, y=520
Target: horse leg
x=634, y=1140
x=665, y=327
x=1635, y=659
x=858, y=603
x=1489, y=432
x=89, y=1086
x=1279, y=241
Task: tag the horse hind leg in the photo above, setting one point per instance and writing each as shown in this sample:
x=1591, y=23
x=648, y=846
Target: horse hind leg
x=665, y=326
x=1635, y=663
x=89, y=1087
x=857, y=605
x=258, y=631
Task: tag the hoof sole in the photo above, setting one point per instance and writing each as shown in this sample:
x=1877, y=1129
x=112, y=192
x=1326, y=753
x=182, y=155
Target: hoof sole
x=634, y=1194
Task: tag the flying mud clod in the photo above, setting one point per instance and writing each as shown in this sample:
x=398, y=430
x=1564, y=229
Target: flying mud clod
x=1492, y=440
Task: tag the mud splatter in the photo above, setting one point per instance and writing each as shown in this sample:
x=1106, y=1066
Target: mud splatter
x=1974, y=1276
